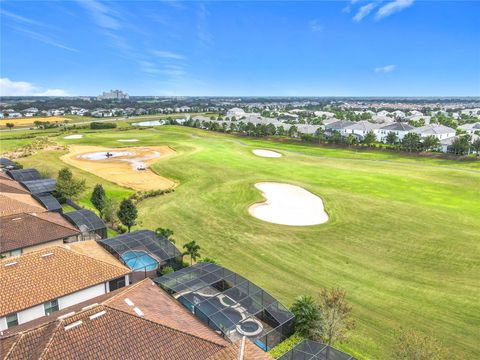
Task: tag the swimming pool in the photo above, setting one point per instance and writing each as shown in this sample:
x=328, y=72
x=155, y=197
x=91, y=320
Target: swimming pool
x=139, y=260
x=227, y=319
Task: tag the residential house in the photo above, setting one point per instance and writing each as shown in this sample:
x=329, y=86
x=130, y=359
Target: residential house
x=445, y=144
x=439, y=131
x=360, y=129
x=339, y=126
x=24, y=233
x=237, y=112
x=42, y=282
x=470, y=128
x=139, y=321
x=398, y=128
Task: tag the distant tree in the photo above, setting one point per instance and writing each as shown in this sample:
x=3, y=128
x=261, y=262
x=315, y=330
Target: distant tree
x=411, y=142
x=280, y=130
x=293, y=131
x=166, y=233
x=127, y=213
x=476, y=145
x=335, y=313
x=370, y=138
x=67, y=186
x=460, y=145
x=10, y=125
x=350, y=139
x=392, y=138
x=98, y=198
x=307, y=316
x=335, y=137
x=192, y=249
x=110, y=210
x=431, y=142
x=411, y=345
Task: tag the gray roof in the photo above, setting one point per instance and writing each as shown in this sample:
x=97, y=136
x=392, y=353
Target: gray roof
x=397, y=127
x=363, y=125
x=474, y=126
x=340, y=124
x=434, y=129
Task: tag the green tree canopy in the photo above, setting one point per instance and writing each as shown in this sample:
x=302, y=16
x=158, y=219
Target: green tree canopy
x=67, y=186
x=127, y=213
x=98, y=198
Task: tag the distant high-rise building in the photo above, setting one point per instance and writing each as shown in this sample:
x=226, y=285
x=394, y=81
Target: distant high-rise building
x=113, y=95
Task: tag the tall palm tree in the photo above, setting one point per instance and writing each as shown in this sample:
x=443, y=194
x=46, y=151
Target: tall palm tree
x=192, y=249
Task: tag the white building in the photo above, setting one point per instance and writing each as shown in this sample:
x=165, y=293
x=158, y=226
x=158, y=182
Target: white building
x=439, y=131
x=113, y=95
x=470, y=128
x=361, y=128
x=237, y=112
x=44, y=281
x=399, y=129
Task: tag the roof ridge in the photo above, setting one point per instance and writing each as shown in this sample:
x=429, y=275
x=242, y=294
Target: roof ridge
x=126, y=290
x=168, y=327
x=54, y=332
x=52, y=222
x=94, y=258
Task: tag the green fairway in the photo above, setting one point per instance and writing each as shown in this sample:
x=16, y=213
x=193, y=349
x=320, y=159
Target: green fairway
x=403, y=237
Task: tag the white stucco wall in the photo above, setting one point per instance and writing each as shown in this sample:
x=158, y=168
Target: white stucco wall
x=80, y=296
x=65, y=301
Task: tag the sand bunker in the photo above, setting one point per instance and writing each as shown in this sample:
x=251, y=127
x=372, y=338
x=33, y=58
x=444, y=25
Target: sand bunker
x=267, y=153
x=77, y=136
x=127, y=167
x=288, y=205
x=128, y=140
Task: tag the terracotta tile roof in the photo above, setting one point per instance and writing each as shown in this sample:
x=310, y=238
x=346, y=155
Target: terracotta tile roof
x=160, y=307
x=13, y=203
x=22, y=230
x=234, y=352
x=112, y=330
x=10, y=186
x=93, y=249
x=34, y=279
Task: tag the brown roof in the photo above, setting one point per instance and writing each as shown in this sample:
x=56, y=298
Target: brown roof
x=160, y=307
x=112, y=330
x=11, y=186
x=22, y=230
x=32, y=279
x=14, y=203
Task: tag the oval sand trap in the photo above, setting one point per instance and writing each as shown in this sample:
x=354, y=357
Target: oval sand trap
x=128, y=140
x=77, y=136
x=288, y=205
x=267, y=153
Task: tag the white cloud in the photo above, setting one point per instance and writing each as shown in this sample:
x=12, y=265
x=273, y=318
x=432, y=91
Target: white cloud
x=385, y=69
x=21, y=19
x=101, y=14
x=24, y=88
x=168, y=55
x=392, y=7
x=315, y=26
x=364, y=11
x=45, y=39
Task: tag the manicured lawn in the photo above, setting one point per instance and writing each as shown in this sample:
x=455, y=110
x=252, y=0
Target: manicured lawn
x=403, y=237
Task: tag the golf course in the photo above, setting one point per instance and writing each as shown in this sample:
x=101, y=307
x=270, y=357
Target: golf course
x=402, y=235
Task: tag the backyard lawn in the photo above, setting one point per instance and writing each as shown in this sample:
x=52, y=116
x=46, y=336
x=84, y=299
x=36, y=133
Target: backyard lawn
x=403, y=236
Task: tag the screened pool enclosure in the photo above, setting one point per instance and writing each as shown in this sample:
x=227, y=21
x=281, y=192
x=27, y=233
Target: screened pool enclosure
x=91, y=226
x=144, y=252
x=313, y=350
x=230, y=304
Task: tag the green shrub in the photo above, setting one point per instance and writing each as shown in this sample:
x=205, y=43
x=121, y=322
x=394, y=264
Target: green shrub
x=102, y=125
x=166, y=270
x=286, y=345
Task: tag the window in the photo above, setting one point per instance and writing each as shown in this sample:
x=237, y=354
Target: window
x=117, y=283
x=16, y=252
x=50, y=306
x=12, y=320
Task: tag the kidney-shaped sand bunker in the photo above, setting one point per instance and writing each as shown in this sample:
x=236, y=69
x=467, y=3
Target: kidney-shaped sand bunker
x=288, y=204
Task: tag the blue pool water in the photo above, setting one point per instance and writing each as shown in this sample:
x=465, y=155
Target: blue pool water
x=139, y=260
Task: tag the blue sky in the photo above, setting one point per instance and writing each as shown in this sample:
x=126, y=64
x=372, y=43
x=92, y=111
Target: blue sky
x=336, y=48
